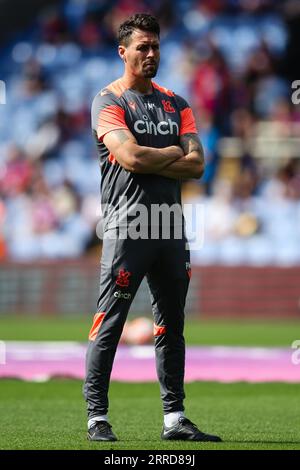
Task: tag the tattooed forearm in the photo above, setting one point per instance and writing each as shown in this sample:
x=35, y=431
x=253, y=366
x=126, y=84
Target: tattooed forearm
x=191, y=143
x=138, y=158
x=191, y=165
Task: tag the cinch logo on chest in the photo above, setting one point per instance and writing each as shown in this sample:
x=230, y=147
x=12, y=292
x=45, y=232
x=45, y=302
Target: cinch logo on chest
x=163, y=127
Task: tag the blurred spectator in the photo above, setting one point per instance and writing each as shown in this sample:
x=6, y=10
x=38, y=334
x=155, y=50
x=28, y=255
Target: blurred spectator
x=210, y=86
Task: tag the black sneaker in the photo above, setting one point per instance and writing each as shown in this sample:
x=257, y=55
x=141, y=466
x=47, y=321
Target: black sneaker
x=101, y=431
x=185, y=430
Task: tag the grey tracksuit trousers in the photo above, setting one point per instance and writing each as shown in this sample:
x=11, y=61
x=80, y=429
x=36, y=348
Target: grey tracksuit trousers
x=124, y=263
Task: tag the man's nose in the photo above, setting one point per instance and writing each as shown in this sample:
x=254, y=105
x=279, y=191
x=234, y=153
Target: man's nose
x=151, y=52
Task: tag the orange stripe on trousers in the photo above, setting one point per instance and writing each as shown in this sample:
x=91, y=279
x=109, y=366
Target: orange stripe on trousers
x=98, y=319
x=158, y=330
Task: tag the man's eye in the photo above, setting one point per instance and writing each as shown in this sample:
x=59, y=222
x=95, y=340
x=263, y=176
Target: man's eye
x=146, y=48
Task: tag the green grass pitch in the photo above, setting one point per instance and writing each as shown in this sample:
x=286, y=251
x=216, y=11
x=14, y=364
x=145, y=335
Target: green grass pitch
x=248, y=416
x=52, y=416
x=217, y=332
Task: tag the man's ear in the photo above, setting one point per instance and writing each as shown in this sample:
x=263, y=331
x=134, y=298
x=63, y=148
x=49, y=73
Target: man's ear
x=122, y=51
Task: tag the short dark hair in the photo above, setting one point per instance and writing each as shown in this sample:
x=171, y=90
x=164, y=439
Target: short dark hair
x=142, y=21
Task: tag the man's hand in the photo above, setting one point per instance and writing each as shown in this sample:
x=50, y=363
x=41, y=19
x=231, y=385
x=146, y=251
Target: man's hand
x=137, y=158
x=191, y=164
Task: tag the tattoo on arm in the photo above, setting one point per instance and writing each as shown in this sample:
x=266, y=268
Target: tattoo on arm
x=191, y=143
x=121, y=136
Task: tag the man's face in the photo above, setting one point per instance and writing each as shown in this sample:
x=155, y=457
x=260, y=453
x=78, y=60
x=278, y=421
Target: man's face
x=142, y=55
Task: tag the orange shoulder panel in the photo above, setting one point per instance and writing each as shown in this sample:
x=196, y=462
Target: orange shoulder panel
x=117, y=87
x=188, y=124
x=110, y=119
x=163, y=89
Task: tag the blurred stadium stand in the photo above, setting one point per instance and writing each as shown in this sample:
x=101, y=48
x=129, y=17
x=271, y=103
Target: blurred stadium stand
x=233, y=60
x=216, y=291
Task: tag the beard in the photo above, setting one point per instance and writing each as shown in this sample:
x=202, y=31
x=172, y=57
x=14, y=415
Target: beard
x=150, y=71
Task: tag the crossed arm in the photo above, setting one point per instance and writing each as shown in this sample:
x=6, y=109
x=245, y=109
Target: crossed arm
x=177, y=162
x=191, y=164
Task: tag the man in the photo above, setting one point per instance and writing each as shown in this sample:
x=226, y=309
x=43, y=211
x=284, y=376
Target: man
x=147, y=142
